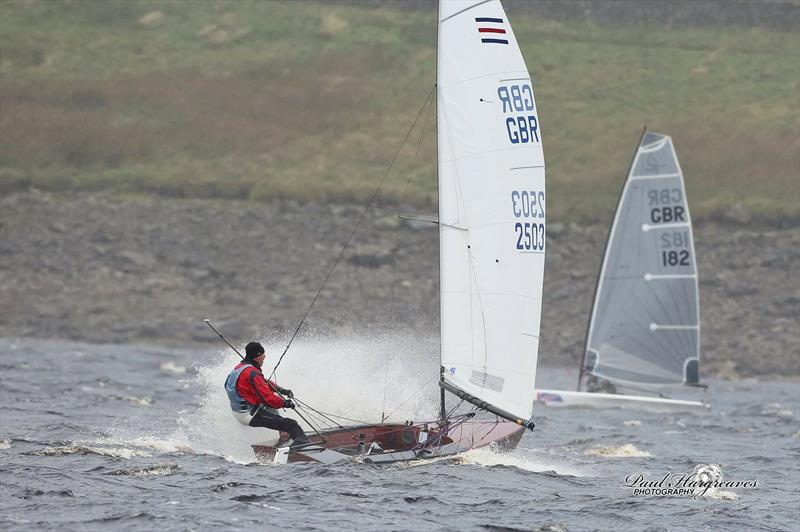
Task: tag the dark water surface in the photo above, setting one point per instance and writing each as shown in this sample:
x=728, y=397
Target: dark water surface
x=129, y=437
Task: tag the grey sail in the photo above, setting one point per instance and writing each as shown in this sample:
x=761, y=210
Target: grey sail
x=645, y=323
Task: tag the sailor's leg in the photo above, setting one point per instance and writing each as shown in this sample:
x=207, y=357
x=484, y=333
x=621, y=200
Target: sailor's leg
x=243, y=417
x=296, y=431
x=276, y=422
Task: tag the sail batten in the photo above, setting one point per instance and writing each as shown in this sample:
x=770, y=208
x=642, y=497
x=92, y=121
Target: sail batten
x=491, y=210
x=645, y=322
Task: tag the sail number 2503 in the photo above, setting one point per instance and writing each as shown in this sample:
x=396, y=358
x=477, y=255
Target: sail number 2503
x=528, y=205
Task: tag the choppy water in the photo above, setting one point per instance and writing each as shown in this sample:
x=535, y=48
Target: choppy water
x=128, y=437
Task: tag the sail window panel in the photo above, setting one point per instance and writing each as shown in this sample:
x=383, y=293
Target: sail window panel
x=658, y=160
x=514, y=398
x=617, y=365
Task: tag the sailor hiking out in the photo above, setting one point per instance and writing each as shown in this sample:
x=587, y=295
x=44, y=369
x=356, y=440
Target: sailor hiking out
x=255, y=400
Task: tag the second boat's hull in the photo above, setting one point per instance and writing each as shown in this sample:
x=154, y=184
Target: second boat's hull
x=564, y=398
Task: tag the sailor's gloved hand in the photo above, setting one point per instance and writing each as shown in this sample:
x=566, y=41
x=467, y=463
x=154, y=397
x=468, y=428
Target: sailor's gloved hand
x=288, y=403
x=287, y=392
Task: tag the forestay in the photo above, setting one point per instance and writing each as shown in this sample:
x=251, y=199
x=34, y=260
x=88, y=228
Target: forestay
x=644, y=327
x=491, y=209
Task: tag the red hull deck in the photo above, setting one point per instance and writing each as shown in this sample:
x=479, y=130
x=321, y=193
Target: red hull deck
x=387, y=443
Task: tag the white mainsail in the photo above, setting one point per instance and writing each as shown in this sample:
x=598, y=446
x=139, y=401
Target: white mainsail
x=491, y=210
x=645, y=324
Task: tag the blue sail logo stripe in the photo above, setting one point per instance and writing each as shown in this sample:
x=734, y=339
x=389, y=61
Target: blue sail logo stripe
x=497, y=29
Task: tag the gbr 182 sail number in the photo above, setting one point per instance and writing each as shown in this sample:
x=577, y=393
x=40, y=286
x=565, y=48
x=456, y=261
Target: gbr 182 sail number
x=528, y=205
x=675, y=248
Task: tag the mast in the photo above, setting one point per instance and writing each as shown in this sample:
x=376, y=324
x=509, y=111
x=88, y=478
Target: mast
x=442, y=404
x=442, y=407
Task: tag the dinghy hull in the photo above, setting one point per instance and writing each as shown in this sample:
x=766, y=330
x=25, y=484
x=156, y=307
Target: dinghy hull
x=564, y=398
x=390, y=443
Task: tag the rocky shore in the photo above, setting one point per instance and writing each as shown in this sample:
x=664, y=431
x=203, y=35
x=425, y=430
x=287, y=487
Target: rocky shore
x=104, y=268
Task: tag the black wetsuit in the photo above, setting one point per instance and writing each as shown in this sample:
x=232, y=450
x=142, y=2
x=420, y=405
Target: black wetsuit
x=271, y=420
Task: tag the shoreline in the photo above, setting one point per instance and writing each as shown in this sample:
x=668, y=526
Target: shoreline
x=102, y=268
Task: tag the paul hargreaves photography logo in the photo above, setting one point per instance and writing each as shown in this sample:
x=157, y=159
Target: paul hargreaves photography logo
x=703, y=481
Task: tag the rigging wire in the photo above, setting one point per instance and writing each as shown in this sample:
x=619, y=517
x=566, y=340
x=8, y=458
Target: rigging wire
x=319, y=413
x=310, y=424
x=315, y=418
x=357, y=430
x=328, y=414
x=436, y=378
x=411, y=175
x=400, y=212
x=352, y=233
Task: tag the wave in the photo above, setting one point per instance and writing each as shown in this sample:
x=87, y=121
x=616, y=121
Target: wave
x=771, y=410
x=28, y=493
x=176, y=442
x=74, y=448
x=776, y=410
x=256, y=500
x=151, y=442
x=152, y=470
x=100, y=392
x=171, y=367
x=144, y=401
x=628, y=450
x=721, y=495
x=524, y=459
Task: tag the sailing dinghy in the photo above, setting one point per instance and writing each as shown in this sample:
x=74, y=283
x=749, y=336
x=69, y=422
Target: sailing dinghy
x=644, y=331
x=492, y=248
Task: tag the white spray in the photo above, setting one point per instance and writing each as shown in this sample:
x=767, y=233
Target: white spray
x=337, y=375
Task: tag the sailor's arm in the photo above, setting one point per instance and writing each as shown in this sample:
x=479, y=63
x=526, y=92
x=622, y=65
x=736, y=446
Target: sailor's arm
x=263, y=391
x=283, y=391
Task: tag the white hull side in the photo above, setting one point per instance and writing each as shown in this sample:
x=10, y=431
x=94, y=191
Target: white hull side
x=563, y=398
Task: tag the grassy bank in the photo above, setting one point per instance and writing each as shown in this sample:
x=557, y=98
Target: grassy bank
x=263, y=99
